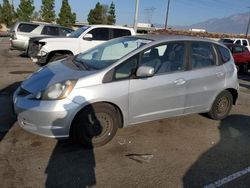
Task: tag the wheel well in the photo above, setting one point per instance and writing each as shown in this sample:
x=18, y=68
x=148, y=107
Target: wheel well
x=58, y=52
x=112, y=104
x=234, y=93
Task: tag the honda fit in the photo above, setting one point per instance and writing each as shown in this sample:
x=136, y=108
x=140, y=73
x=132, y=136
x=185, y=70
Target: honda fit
x=126, y=81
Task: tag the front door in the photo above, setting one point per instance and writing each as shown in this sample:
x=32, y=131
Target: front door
x=162, y=95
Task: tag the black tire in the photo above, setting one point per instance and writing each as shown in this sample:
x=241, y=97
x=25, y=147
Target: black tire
x=221, y=106
x=58, y=57
x=96, y=125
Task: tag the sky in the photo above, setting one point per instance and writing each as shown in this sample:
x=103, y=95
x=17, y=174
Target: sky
x=182, y=12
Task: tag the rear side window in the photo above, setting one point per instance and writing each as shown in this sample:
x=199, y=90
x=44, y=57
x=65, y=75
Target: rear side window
x=202, y=55
x=100, y=34
x=225, y=54
x=49, y=30
x=27, y=28
x=120, y=33
x=244, y=42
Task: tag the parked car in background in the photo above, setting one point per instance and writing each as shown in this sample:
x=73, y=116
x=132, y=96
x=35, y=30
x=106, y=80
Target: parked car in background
x=51, y=49
x=21, y=32
x=126, y=81
x=241, y=56
x=239, y=41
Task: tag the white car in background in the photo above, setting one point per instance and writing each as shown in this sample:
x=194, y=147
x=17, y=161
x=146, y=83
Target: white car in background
x=52, y=49
x=21, y=33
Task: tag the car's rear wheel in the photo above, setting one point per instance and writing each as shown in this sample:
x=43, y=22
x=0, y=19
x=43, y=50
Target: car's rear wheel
x=96, y=125
x=221, y=106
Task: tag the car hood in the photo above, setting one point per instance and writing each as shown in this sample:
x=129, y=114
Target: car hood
x=59, y=39
x=35, y=39
x=56, y=72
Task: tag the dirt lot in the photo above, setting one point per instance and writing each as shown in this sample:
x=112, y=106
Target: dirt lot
x=189, y=151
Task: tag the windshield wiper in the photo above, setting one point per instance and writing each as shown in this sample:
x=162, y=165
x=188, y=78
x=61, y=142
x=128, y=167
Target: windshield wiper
x=79, y=64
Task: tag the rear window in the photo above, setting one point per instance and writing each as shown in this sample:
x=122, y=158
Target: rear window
x=27, y=28
x=120, y=33
x=225, y=54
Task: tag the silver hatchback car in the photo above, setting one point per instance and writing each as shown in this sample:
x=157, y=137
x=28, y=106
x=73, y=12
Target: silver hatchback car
x=126, y=81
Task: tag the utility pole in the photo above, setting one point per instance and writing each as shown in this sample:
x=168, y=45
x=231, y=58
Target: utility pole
x=248, y=24
x=166, y=22
x=136, y=15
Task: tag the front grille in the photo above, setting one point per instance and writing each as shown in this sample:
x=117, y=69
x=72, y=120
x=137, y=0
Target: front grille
x=22, y=92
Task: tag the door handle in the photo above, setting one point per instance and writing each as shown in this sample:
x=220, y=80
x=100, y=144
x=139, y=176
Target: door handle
x=180, y=81
x=219, y=74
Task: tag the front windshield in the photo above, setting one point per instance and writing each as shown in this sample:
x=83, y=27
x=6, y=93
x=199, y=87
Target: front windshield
x=78, y=32
x=109, y=52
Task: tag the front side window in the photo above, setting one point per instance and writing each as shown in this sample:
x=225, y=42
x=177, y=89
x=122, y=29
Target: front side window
x=125, y=70
x=202, y=55
x=100, y=34
x=165, y=58
x=107, y=53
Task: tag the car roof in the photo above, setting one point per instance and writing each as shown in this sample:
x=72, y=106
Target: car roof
x=40, y=23
x=165, y=38
x=110, y=26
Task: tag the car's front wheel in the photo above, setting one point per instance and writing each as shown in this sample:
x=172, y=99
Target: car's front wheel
x=96, y=125
x=221, y=106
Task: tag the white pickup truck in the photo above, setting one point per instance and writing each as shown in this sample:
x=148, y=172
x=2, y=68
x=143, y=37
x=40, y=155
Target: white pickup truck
x=51, y=49
x=239, y=41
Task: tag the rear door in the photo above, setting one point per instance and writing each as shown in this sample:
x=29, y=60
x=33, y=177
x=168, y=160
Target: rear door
x=205, y=79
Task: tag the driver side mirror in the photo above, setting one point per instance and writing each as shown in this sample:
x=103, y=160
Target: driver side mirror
x=88, y=37
x=145, y=71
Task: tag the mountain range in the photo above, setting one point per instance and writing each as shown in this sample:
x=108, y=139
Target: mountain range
x=233, y=24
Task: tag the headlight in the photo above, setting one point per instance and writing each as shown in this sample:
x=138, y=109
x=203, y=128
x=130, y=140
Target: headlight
x=57, y=91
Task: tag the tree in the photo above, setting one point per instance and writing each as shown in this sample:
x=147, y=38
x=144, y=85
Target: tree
x=102, y=14
x=36, y=16
x=47, y=11
x=96, y=15
x=66, y=17
x=7, y=14
x=111, y=15
x=25, y=10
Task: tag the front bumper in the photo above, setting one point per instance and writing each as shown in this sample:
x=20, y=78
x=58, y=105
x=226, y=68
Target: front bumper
x=45, y=118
